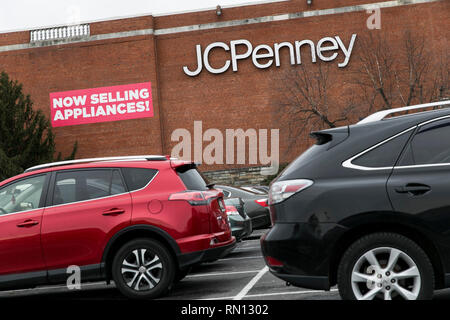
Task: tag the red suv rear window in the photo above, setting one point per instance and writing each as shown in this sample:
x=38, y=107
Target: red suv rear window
x=138, y=178
x=192, y=178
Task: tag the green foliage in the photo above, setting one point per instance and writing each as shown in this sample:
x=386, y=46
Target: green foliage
x=26, y=137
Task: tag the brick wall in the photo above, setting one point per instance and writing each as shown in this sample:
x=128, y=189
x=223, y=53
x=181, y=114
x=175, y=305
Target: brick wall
x=250, y=176
x=244, y=99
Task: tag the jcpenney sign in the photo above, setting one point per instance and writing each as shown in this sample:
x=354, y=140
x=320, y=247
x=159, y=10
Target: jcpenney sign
x=263, y=56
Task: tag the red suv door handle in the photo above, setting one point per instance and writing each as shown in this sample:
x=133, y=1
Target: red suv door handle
x=28, y=223
x=113, y=212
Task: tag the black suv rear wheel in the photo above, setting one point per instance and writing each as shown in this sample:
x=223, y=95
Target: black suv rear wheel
x=143, y=269
x=385, y=266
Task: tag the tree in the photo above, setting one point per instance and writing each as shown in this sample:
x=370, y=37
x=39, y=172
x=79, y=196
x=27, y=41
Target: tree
x=384, y=77
x=306, y=101
x=393, y=78
x=26, y=137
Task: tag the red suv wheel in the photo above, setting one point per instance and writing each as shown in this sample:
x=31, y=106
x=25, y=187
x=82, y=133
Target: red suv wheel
x=143, y=268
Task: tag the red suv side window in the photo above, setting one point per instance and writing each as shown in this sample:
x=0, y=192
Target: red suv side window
x=74, y=186
x=138, y=178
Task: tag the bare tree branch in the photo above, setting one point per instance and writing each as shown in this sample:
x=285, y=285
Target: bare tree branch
x=384, y=78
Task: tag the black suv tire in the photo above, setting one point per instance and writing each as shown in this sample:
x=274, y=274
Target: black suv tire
x=385, y=241
x=160, y=259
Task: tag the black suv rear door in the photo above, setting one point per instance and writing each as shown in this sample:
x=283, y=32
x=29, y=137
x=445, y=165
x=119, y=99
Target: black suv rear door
x=420, y=182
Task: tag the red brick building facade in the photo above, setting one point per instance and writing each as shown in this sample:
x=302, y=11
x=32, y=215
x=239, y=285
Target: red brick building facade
x=156, y=48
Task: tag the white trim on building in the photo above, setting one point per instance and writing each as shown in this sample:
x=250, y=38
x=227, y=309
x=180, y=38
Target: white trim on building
x=209, y=26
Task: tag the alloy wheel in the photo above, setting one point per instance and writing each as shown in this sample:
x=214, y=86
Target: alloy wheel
x=142, y=269
x=385, y=273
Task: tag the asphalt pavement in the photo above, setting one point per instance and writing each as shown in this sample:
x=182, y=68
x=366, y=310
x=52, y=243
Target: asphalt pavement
x=242, y=275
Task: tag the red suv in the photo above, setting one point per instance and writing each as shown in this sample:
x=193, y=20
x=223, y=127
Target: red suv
x=141, y=221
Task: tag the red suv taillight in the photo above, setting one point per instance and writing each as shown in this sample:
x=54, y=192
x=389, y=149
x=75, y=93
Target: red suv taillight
x=197, y=198
x=213, y=200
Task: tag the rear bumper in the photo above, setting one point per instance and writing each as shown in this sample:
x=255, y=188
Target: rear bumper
x=240, y=227
x=188, y=259
x=311, y=282
x=301, y=252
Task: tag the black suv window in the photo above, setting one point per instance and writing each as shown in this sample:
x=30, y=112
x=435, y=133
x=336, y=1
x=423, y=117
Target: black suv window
x=73, y=186
x=430, y=145
x=385, y=155
x=137, y=178
x=192, y=179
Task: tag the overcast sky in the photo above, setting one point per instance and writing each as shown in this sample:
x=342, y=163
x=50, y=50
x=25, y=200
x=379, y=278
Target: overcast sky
x=16, y=15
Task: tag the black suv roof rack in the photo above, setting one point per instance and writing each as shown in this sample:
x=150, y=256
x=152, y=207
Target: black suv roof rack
x=377, y=116
x=122, y=158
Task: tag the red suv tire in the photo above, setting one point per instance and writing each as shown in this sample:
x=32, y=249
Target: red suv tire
x=143, y=269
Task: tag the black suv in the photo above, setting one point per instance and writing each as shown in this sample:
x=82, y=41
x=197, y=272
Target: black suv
x=367, y=208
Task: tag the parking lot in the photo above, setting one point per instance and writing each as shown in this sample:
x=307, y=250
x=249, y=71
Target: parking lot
x=241, y=275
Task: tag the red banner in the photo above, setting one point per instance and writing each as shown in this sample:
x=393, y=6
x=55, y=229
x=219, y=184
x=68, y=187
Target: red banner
x=104, y=104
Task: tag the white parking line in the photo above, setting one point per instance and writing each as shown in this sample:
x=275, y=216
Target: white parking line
x=274, y=294
x=289, y=292
x=241, y=258
x=246, y=248
x=250, y=285
x=220, y=274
